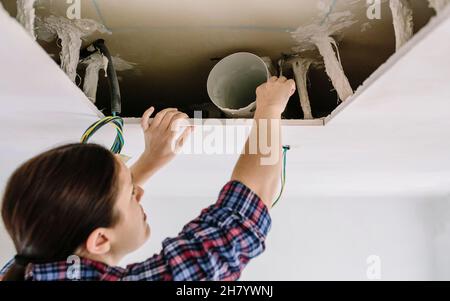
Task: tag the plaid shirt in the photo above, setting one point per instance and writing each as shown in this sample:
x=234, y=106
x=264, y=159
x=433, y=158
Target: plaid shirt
x=217, y=245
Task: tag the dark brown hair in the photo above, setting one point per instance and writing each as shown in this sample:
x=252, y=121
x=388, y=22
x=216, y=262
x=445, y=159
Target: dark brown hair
x=54, y=201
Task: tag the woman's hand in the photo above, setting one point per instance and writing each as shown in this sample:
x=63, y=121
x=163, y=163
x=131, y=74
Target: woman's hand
x=274, y=94
x=161, y=143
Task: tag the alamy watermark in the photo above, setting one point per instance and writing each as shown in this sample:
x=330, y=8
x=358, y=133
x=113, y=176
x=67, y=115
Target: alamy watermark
x=228, y=136
x=373, y=271
x=73, y=11
x=373, y=8
x=73, y=267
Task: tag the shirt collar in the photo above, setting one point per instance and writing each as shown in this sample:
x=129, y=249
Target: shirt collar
x=71, y=270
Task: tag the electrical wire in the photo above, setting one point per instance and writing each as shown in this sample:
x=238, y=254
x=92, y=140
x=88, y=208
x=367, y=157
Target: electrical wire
x=115, y=98
x=117, y=122
x=283, y=174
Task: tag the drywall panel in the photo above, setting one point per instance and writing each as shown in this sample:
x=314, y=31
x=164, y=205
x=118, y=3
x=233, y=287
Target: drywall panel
x=40, y=106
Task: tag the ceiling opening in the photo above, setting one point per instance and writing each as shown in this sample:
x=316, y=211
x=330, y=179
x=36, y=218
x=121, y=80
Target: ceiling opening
x=169, y=47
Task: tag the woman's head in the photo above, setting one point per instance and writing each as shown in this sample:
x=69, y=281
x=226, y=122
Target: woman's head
x=74, y=199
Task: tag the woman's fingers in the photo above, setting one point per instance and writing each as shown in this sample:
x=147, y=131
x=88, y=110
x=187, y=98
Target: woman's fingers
x=292, y=85
x=160, y=116
x=282, y=79
x=145, y=118
x=170, y=118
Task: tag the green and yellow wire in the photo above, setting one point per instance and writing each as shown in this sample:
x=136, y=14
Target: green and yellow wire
x=117, y=122
x=283, y=174
x=117, y=146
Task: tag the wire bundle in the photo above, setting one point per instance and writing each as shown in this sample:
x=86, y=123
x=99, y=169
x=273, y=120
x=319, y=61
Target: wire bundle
x=117, y=122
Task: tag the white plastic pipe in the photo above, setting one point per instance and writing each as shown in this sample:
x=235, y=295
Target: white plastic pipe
x=233, y=81
x=402, y=16
x=300, y=67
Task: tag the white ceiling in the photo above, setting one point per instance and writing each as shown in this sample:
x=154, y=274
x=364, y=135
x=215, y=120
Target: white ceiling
x=391, y=140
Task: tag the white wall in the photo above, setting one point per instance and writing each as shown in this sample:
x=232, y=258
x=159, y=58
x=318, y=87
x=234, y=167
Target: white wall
x=331, y=238
x=324, y=238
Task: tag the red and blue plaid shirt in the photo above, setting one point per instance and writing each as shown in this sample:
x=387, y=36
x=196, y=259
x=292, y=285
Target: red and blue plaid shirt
x=217, y=245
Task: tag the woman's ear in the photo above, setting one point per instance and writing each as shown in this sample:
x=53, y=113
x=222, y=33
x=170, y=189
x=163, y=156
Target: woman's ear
x=98, y=242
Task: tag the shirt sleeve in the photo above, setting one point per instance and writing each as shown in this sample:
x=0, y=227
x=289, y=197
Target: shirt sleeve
x=217, y=245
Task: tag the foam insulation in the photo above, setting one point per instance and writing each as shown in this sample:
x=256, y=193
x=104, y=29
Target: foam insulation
x=300, y=67
x=402, y=16
x=438, y=5
x=70, y=32
x=26, y=15
x=122, y=65
x=95, y=63
x=319, y=35
x=333, y=66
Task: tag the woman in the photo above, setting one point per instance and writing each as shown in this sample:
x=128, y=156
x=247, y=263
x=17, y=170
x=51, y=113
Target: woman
x=73, y=212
